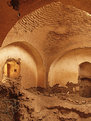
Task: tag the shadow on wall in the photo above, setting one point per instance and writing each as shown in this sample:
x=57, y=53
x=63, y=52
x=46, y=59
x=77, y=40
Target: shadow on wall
x=65, y=68
x=32, y=70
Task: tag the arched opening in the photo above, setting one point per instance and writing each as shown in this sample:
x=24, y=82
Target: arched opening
x=11, y=68
x=32, y=70
x=65, y=68
x=84, y=79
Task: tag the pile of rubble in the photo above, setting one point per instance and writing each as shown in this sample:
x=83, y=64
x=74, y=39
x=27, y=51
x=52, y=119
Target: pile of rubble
x=39, y=104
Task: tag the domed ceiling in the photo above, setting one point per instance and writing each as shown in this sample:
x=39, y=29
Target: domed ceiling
x=8, y=16
x=53, y=30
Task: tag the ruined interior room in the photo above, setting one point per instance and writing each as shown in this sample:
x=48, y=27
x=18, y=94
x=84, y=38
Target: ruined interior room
x=45, y=60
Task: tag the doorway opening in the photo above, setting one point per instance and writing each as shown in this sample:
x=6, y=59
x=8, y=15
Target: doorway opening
x=11, y=68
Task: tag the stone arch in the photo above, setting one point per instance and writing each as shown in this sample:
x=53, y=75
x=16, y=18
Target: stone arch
x=65, y=68
x=32, y=70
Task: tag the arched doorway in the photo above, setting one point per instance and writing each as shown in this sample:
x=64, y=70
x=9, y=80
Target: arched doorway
x=11, y=68
x=32, y=70
x=84, y=79
x=65, y=68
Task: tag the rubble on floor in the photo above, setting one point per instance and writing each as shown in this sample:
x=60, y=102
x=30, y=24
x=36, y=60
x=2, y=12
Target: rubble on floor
x=39, y=104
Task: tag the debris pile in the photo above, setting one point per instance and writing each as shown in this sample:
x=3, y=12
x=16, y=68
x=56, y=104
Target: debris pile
x=39, y=104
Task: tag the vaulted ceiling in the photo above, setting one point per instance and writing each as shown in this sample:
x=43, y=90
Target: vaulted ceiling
x=9, y=16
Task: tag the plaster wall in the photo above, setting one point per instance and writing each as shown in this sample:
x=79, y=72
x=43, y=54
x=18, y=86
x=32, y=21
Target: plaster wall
x=66, y=68
x=28, y=65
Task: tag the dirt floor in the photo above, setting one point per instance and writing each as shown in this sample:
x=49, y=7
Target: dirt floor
x=38, y=104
